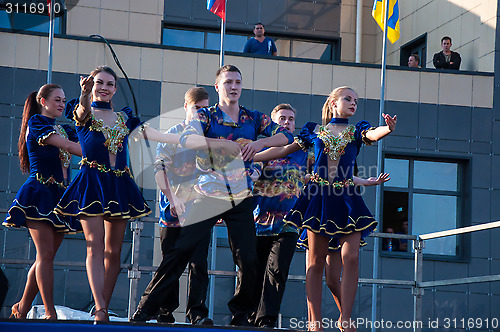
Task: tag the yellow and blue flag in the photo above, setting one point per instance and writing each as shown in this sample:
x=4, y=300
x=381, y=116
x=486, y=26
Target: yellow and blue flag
x=378, y=12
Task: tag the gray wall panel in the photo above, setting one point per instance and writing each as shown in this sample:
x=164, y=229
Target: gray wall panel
x=481, y=124
x=481, y=168
x=7, y=75
x=450, y=145
x=481, y=147
x=454, y=122
x=428, y=120
x=407, y=114
x=429, y=144
x=25, y=82
x=480, y=205
x=495, y=211
x=477, y=267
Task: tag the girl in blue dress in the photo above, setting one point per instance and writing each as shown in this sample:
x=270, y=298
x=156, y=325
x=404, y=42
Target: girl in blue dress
x=330, y=209
x=44, y=152
x=104, y=195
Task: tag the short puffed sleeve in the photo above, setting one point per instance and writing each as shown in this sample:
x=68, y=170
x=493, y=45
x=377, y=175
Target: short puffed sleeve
x=70, y=112
x=306, y=136
x=132, y=121
x=40, y=128
x=72, y=136
x=362, y=128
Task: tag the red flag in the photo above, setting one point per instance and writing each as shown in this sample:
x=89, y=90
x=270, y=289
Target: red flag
x=218, y=7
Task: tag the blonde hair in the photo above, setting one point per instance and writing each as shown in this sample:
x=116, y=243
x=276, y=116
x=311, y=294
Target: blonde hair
x=327, y=112
x=283, y=106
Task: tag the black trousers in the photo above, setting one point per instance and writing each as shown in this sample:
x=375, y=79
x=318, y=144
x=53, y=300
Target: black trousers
x=275, y=255
x=197, y=277
x=241, y=232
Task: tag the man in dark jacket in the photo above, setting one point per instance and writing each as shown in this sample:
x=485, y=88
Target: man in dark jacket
x=446, y=59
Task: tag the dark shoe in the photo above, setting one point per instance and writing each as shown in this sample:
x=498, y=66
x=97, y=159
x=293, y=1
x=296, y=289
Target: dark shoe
x=207, y=321
x=241, y=320
x=165, y=318
x=140, y=316
x=266, y=323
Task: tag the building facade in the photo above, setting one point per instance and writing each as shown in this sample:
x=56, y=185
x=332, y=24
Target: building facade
x=442, y=157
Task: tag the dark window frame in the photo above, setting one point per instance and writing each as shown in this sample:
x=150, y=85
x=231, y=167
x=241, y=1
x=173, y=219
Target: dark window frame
x=417, y=45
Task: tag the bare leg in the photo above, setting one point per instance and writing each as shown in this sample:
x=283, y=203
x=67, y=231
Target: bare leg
x=21, y=308
x=350, y=274
x=333, y=270
x=318, y=249
x=46, y=242
x=113, y=240
x=93, y=228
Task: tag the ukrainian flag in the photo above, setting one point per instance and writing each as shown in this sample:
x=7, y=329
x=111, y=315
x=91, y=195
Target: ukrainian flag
x=393, y=22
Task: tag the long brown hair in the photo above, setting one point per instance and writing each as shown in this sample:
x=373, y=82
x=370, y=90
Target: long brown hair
x=32, y=106
x=327, y=112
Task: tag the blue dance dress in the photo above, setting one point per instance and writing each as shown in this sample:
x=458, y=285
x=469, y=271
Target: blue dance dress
x=332, y=208
x=38, y=196
x=99, y=189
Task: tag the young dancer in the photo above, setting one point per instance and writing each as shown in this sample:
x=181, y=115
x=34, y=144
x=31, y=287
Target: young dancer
x=44, y=152
x=176, y=174
x=104, y=195
x=275, y=193
x=330, y=209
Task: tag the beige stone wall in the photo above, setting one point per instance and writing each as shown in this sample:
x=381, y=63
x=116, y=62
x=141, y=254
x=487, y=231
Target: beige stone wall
x=129, y=20
x=470, y=23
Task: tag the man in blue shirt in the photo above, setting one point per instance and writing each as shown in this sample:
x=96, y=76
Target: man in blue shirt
x=260, y=44
x=226, y=135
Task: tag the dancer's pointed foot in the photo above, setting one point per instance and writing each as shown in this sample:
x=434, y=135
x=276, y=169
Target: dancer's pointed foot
x=16, y=312
x=101, y=315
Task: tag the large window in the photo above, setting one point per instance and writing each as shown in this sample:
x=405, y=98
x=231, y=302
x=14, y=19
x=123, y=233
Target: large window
x=423, y=196
x=234, y=42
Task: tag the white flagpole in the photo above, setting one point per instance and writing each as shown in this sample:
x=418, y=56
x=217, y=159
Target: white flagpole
x=378, y=210
x=51, y=41
x=222, y=33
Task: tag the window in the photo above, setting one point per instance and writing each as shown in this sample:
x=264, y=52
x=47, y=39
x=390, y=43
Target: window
x=426, y=194
x=416, y=46
x=28, y=16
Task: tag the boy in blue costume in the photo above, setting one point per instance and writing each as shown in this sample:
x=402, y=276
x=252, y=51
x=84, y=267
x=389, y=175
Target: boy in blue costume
x=225, y=186
x=275, y=193
x=176, y=174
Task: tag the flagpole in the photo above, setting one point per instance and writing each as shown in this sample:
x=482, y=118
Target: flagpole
x=51, y=41
x=378, y=210
x=222, y=33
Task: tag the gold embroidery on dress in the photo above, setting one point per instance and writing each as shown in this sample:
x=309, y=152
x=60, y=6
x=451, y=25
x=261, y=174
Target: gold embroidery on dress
x=335, y=145
x=114, y=135
x=48, y=181
x=64, y=155
x=103, y=168
x=337, y=184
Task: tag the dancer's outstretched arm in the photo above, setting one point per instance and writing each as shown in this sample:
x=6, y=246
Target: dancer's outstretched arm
x=382, y=131
x=276, y=152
